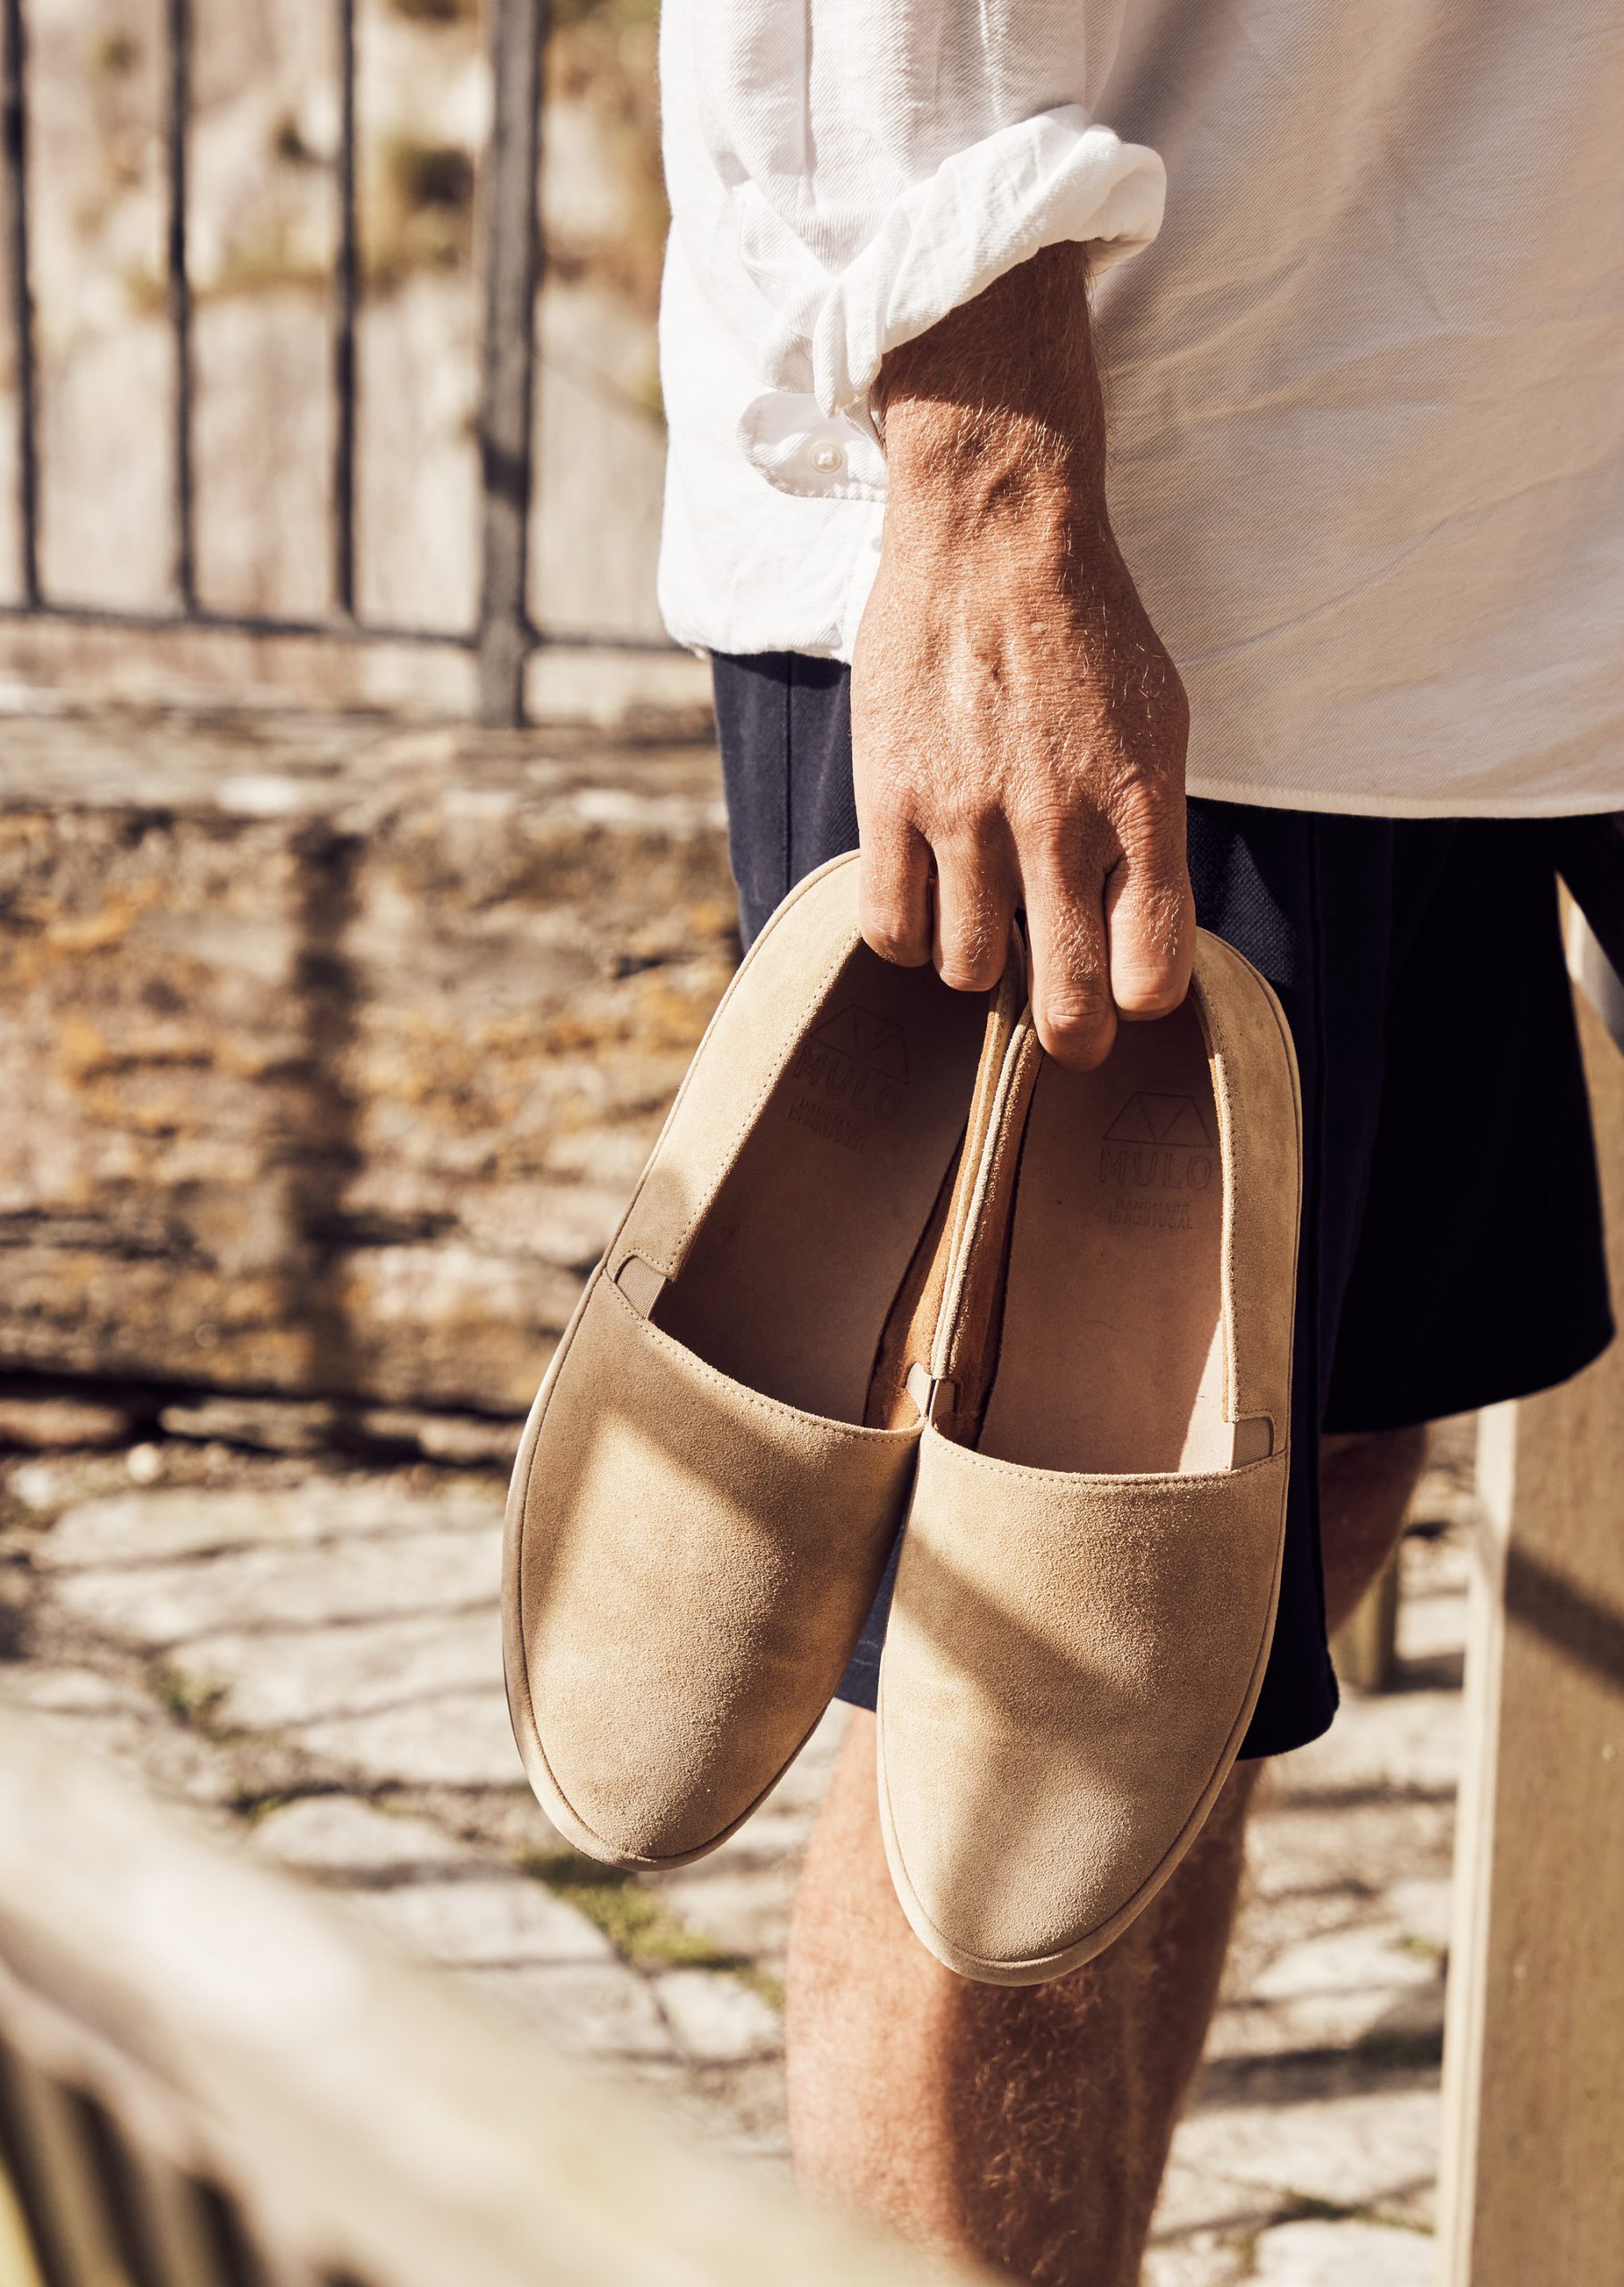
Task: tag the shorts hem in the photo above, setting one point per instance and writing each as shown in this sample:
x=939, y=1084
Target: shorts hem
x=860, y=1686
x=1280, y=1737
x=1366, y=1409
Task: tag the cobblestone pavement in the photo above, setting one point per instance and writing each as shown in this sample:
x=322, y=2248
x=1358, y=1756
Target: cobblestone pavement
x=307, y=1650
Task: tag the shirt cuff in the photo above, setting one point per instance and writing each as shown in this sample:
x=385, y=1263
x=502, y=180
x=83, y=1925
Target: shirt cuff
x=1054, y=178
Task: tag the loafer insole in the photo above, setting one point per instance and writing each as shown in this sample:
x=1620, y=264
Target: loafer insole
x=1112, y=1355
x=790, y=1278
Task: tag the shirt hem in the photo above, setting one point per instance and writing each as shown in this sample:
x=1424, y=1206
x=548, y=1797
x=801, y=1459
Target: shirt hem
x=1249, y=792
x=1343, y=803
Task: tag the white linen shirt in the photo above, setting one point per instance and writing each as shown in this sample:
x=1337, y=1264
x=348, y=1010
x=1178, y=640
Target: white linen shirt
x=1366, y=388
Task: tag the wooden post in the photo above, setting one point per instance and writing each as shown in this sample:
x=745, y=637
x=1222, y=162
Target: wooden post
x=513, y=268
x=1533, y=2177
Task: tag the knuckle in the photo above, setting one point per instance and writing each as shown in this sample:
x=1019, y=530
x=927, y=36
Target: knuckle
x=1057, y=834
x=1151, y=804
x=1152, y=947
x=966, y=821
x=1148, y=820
x=1076, y=1011
x=1081, y=1044
x=1149, y=995
x=1073, y=850
x=900, y=950
x=968, y=970
x=1074, y=1002
x=895, y=937
x=1172, y=698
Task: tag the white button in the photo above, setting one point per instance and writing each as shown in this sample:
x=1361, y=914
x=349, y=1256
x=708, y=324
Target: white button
x=827, y=458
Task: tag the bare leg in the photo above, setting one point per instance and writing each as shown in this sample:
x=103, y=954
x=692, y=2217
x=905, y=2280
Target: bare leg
x=1365, y=1485
x=1028, y=2126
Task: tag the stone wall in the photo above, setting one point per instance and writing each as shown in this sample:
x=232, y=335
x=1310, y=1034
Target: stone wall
x=331, y=1048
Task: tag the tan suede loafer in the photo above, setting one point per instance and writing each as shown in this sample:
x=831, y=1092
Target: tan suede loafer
x=1088, y=1583
x=714, y=1470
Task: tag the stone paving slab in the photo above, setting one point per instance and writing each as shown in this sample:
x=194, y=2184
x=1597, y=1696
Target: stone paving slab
x=1343, y=2255
x=1373, y=2148
x=307, y=1650
x=119, y=1718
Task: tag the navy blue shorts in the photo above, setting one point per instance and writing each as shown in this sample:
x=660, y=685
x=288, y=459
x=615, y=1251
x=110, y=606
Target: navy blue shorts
x=1451, y=1249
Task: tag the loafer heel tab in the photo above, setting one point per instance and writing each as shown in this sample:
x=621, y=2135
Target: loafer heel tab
x=928, y=1391
x=1254, y=1440
x=641, y=1283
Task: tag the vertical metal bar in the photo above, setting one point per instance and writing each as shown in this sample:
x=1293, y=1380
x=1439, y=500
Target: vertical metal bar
x=14, y=156
x=346, y=276
x=177, y=19
x=512, y=271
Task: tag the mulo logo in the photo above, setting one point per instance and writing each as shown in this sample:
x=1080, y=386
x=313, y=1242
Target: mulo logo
x=854, y=1060
x=1156, y=1143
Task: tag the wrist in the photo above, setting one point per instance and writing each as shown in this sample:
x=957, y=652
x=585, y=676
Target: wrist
x=993, y=481
x=993, y=422
x=991, y=517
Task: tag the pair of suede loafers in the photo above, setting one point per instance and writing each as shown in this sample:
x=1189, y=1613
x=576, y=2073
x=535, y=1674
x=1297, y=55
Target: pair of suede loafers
x=890, y=1265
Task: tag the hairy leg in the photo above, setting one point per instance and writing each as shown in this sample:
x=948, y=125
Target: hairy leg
x=1028, y=2126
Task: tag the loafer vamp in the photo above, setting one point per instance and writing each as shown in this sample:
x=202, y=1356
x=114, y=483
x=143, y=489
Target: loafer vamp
x=1069, y=1663
x=695, y=1561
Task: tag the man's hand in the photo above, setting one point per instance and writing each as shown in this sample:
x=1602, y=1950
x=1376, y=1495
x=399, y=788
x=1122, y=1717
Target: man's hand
x=1017, y=726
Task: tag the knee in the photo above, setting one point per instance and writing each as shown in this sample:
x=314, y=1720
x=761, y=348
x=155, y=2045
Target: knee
x=1370, y=1457
x=1365, y=1480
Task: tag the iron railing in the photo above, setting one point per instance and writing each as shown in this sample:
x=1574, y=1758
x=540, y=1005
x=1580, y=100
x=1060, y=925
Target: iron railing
x=504, y=634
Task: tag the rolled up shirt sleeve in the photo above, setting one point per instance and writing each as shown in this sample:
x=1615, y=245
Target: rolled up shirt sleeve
x=845, y=172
